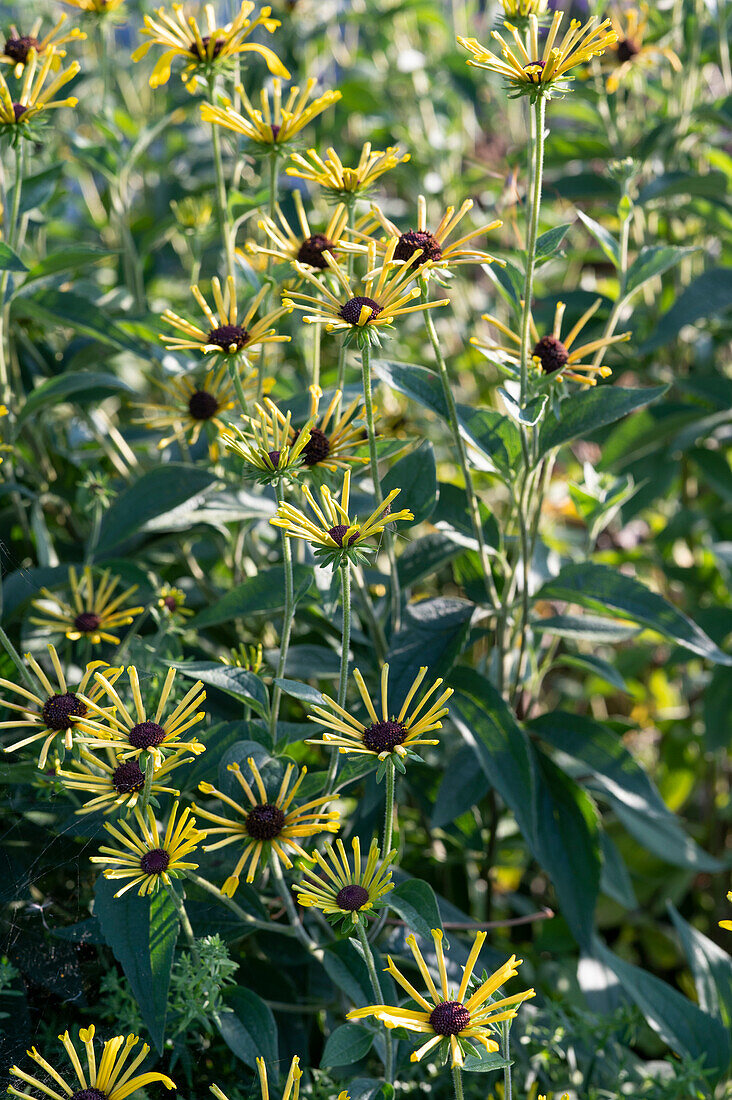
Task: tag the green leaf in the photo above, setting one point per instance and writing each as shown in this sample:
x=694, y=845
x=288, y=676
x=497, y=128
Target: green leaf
x=348, y=1044
x=635, y=798
x=263, y=592
x=652, y=262
x=485, y=1063
x=711, y=967
x=461, y=787
x=606, y=241
x=346, y=968
x=681, y=1025
x=9, y=260
x=707, y=296
x=67, y=259
x=585, y=412
x=415, y=902
x=603, y=587
x=77, y=387
x=568, y=844
x=614, y=879
x=237, y=682
x=433, y=634
x=417, y=383
x=550, y=241
x=509, y=278
x=145, y=504
x=416, y=476
x=495, y=435
x=710, y=185
x=142, y=934
x=501, y=746
x=70, y=310
x=424, y=556
x=303, y=692
x=589, y=628
x=250, y=1029
x=594, y=666
x=37, y=189
x=718, y=710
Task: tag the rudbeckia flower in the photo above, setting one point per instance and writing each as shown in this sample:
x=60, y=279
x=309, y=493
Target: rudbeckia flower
x=105, y=1076
x=54, y=711
x=267, y=444
x=551, y=354
x=727, y=924
x=300, y=244
x=245, y=656
x=146, y=858
x=445, y=1015
x=276, y=123
x=129, y=735
x=17, y=48
x=333, y=532
x=292, y=1084
x=333, y=434
x=205, y=49
x=345, y=892
x=93, y=611
x=630, y=51
x=535, y=70
x=388, y=733
x=172, y=600
x=114, y=783
x=331, y=174
x=196, y=407
x=225, y=335
x=266, y=829
x=34, y=99
x=95, y=7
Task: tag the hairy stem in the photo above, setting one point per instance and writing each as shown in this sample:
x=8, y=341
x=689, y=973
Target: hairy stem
x=457, y=1080
x=374, y=979
x=288, y=616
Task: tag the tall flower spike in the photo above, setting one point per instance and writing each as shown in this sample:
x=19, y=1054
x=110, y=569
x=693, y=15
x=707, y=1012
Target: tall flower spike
x=93, y=611
x=108, y=1077
x=277, y=123
x=445, y=1015
x=267, y=829
x=145, y=857
x=17, y=48
x=34, y=98
x=208, y=49
x=225, y=335
x=530, y=70
x=331, y=175
x=387, y=733
x=52, y=713
x=552, y=355
x=333, y=532
x=129, y=735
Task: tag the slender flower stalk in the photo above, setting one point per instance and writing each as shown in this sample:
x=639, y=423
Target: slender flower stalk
x=457, y=1080
x=376, y=988
x=288, y=615
x=222, y=203
x=345, y=646
x=538, y=135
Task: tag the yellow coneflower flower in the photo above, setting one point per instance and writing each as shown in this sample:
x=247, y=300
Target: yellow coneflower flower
x=34, y=99
x=541, y=72
x=383, y=295
x=267, y=829
x=267, y=444
x=334, y=532
x=552, y=355
x=386, y=734
x=225, y=335
x=208, y=49
x=333, y=437
x=727, y=924
x=276, y=123
x=292, y=1084
x=522, y=9
x=331, y=174
x=145, y=858
x=430, y=250
x=447, y=1016
x=172, y=600
x=18, y=46
x=105, y=1076
x=303, y=246
x=630, y=26
x=95, y=7
x=245, y=656
x=129, y=735
x=195, y=407
x=92, y=612
x=54, y=711
x=115, y=783
x=345, y=892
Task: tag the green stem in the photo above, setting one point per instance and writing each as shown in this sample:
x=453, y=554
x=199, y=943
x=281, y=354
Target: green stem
x=147, y=789
x=538, y=171
x=457, y=1080
x=374, y=979
x=94, y=534
x=349, y=201
x=271, y=210
x=17, y=661
x=288, y=616
x=132, y=633
x=345, y=645
x=244, y=917
x=377, y=631
x=222, y=205
x=232, y=367
x=5, y=387
x=184, y=922
x=368, y=397
x=507, y=1088
x=317, y=334
x=286, y=895
x=389, y=809
x=622, y=280
x=452, y=416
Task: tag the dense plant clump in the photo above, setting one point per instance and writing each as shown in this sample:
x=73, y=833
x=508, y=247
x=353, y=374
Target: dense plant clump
x=365, y=666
